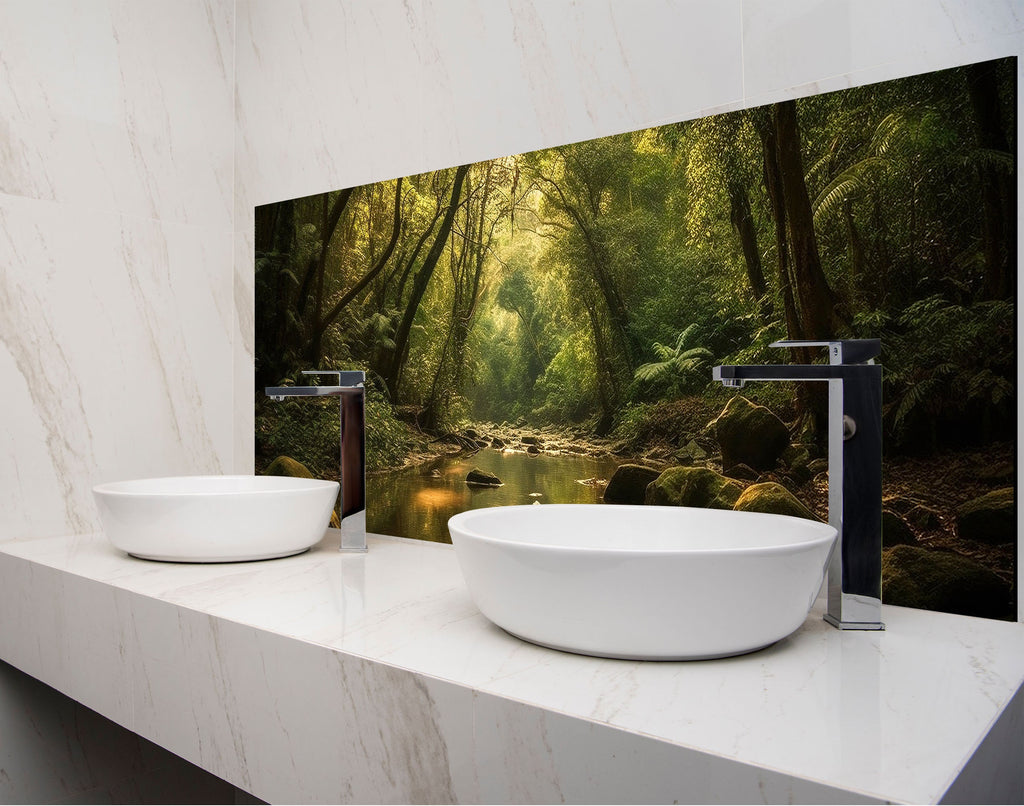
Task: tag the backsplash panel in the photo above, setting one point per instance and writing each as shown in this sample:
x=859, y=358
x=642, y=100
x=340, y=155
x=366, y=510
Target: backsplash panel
x=546, y=317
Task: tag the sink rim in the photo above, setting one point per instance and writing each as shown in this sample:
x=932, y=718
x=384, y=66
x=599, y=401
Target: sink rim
x=263, y=485
x=827, y=533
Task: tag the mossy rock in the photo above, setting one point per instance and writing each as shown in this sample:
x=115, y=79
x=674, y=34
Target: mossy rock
x=286, y=466
x=479, y=478
x=796, y=456
x=896, y=531
x=742, y=472
x=773, y=498
x=628, y=485
x=816, y=466
x=691, y=453
x=990, y=518
x=693, y=487
x=750, y=435
x=937, y=580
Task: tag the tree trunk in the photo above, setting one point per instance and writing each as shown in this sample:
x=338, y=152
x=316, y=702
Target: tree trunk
x=313, y=278
x=320, y=327
x=812, y=292
x=743, y=222
x=445, y=375
x=606, y=388
x=998, y=196
x=773, y=184
x=807, y=402
x=618, y=315
x=393, y=376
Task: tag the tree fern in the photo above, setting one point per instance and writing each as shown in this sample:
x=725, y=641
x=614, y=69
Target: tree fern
x=677, y=363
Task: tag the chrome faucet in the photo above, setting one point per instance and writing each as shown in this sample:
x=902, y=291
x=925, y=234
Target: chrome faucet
x=854, y=469
x=350, y=389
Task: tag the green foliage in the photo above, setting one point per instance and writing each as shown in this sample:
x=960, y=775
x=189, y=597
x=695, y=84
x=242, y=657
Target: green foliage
x=671, y=423
x=949, y=372
x=680, y=368
x=306, y=430
x=568, y=389
x=388, y=440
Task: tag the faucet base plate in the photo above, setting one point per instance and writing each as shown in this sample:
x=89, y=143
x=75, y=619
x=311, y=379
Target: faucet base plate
x=853, y=625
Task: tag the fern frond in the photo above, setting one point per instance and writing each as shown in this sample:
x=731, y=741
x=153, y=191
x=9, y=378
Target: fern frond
x=652, y=370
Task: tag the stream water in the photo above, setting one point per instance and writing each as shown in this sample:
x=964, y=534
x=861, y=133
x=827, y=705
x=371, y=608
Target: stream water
x=418, y=501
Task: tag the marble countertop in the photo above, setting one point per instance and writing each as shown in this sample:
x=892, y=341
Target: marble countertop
x=894, y=715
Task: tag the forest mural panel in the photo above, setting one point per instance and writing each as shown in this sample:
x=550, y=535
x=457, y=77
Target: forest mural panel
x=550, y=319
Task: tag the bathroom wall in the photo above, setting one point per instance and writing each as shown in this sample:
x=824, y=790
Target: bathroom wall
x=332, y=95
x=116, y=311
x=116, y=318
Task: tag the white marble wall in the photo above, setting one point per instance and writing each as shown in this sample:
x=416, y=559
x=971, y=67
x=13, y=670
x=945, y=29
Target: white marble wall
x=116, y=310
x=335, y=94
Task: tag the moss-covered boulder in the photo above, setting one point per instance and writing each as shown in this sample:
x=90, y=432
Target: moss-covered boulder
x=750, y=435
x=773, y=498
x=939, y=580
x=989, y=518
x=896, y=531
x=693, y=487
x=797, y=459
x=628, y=485
x=286, y=466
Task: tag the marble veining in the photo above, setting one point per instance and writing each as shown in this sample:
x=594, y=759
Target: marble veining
x=102, y=107
x=116, y=218
x=235, y=664
x=103, y=363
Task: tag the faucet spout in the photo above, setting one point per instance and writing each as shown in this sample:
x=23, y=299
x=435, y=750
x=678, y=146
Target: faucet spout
x=854, y=469
x=350, y=389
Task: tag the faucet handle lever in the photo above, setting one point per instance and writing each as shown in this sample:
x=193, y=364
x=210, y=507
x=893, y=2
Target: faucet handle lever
x=334, y=372
x=347, y=378
x=840, y=351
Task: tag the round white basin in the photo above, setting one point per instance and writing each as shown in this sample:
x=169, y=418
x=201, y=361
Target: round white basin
x=209, y=519
x=642, y=582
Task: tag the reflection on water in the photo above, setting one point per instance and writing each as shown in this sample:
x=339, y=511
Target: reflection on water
x=417, y=502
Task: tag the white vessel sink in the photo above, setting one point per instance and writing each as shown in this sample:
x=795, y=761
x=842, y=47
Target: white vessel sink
x=210, y=519
x=642, y=582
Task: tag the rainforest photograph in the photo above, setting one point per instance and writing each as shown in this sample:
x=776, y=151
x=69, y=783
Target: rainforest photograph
x=541, y=328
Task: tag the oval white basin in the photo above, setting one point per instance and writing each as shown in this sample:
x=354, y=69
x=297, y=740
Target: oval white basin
x=642, y=582
x=210, y=519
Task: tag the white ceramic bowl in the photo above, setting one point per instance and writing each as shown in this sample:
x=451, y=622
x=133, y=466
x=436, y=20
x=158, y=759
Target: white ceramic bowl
x=642, y=582
x=209, y=519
